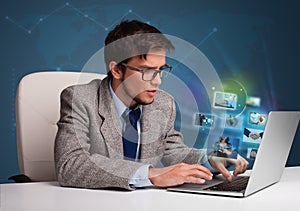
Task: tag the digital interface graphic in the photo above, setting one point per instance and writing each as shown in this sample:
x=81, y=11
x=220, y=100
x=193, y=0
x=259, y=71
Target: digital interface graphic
x=243, y=122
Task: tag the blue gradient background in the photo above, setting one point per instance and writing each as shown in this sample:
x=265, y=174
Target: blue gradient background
x=253, y=42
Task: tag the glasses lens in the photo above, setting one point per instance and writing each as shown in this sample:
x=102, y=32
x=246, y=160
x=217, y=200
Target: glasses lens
x=165, y=72
x=149, y=74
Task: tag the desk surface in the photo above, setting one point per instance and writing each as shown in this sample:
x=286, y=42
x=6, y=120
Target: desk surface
x=50, y=196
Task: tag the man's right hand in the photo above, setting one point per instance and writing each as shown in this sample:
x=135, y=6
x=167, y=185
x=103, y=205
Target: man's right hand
x=179, y=174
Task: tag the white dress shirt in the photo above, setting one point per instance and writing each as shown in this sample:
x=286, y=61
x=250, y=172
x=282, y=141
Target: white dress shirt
x=140, y=178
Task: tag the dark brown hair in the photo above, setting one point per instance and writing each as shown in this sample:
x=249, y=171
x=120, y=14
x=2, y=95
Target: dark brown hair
x=132, y=38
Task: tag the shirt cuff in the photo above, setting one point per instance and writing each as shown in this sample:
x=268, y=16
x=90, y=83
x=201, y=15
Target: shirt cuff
x=140, y=177
x=204, y=161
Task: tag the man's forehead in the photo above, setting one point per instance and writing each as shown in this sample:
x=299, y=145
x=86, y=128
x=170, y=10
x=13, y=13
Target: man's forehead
x=150, y=59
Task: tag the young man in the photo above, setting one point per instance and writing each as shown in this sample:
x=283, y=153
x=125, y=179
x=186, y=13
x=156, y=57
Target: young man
x=96, y=145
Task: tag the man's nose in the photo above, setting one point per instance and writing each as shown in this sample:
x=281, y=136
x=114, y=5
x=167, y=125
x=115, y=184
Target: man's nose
x=156, y=80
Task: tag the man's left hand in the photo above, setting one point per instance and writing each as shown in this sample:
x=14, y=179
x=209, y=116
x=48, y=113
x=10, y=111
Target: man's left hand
x=220, y=164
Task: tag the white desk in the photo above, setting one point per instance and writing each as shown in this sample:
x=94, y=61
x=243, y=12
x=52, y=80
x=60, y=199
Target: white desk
x=49, y=196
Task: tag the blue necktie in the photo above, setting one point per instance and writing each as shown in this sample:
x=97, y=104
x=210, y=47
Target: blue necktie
x=130, y=134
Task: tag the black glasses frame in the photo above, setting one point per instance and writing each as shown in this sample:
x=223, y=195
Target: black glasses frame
x=165, y=67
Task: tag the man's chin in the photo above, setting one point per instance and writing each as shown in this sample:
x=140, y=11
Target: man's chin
x=144, y=102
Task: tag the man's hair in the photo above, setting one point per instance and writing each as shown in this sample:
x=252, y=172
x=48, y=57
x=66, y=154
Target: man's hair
x=133, y=38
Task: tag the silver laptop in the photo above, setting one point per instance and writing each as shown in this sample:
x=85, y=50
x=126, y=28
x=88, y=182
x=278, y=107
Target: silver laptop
x=269, y=164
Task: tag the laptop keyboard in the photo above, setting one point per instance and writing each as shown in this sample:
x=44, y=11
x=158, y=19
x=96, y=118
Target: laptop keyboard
x=236, y=185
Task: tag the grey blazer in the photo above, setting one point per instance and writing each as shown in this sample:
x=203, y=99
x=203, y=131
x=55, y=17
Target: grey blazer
x=88, y=144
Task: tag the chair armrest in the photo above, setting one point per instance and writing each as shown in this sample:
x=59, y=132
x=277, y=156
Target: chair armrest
x=20, y=178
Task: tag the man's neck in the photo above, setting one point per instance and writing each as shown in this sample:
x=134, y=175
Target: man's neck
x=122, y=95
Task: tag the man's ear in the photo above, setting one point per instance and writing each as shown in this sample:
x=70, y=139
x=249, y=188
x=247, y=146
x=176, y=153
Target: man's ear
x=115, y=70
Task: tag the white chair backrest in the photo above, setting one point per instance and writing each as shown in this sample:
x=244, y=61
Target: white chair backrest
x=37, y=112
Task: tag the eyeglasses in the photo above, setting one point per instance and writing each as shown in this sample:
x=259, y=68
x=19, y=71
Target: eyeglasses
x=150, y=74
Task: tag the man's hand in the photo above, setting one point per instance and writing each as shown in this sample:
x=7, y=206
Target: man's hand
x=179, y=174
x=220, y=165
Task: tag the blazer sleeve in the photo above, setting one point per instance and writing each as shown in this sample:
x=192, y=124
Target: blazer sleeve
x=175, y=149
x=75, y=165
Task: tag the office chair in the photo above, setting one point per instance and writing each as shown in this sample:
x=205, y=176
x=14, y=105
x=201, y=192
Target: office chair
x=37, y=112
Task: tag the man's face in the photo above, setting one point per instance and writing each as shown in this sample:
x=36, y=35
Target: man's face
x=133, y=90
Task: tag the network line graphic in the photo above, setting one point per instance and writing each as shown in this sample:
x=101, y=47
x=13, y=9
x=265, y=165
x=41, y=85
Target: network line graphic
x=85, y=15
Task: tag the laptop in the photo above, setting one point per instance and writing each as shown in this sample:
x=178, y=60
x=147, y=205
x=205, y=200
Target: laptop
x=269, y=164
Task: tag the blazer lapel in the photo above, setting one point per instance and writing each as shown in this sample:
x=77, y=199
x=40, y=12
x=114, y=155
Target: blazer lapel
x=110, y=128
x=151, y=132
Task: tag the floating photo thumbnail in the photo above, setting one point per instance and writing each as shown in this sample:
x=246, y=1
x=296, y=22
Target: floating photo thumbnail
x=225, y=100
x=257, y=118
x=225, y=146
x=204, y=120
x=253, y=101
x=251, y=153
x=252, y=135
x=234, y=122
